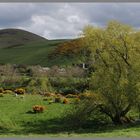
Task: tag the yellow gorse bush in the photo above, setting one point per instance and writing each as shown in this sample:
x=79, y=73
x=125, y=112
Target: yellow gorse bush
x=49, y=95
x=7, y=91
x=38, y=108
x=65, y=101
x=89, y=95
x=20, y=91
x=71, y=96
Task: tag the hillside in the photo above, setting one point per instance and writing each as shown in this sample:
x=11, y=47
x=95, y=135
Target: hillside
x=30, y=54
x=22, y=47
x=17, y=37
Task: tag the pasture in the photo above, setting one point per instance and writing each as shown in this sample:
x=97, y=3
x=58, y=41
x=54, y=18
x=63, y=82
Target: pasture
x=18, y=119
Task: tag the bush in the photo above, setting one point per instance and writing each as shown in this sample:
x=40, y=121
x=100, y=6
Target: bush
x=69, y=85
x=65, y=101
x=1, y=90
x=7, y=92
x=1, y=95
x=48, y=98
x=51, y=101
x=49, y=95
x=11, y=82
x=77, y=100
x=20, y=91
x=59, y=95
x=45, y=99
x=38, y=109
x=87, y=95
x=38, y=85
x=71, y=96
x=57, y=99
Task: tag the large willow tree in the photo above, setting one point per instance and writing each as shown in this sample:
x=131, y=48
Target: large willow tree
x=116, y=56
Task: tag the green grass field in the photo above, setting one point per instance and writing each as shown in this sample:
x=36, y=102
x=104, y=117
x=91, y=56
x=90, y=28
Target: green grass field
x=18, y=120
x=33, y=54
x=22, y=47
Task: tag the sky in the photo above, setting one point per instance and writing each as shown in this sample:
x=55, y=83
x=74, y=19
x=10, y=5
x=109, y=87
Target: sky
x=65, y=20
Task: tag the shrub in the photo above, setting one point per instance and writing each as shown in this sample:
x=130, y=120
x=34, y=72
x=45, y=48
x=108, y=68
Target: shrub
x=51, y=101
x=77, y=100
x=7, y=91
x=45, y=99
x=49, y=94
x=71, y=96
x=1, y=95
x=20, y=91
x=48, y=98
x=57, y=99
x=86, y=95
x=11, y=82
x=1, y=90
x=59, y=95
x=38, y=85
x=38, y=108
x=65, y=101
x=68, y=85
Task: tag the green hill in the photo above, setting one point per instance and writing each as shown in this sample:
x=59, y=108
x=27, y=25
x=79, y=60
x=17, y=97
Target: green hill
x=22, y=47
x=17, y=37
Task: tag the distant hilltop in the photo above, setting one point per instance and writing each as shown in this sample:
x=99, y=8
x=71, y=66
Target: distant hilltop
x=17, y=37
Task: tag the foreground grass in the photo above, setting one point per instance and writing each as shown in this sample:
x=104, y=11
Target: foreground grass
x=117, y=132
x=18, y=120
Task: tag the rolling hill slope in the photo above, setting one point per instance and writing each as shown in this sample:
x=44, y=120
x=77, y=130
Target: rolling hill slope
x=17, y=37
x=22, y=47
x=30, y=54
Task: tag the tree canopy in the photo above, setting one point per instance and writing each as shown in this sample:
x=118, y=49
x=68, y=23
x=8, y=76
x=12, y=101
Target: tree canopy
x=115, y=53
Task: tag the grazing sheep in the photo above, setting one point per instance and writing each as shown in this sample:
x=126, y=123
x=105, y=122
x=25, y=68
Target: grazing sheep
x=16, y=94
x=19, y=96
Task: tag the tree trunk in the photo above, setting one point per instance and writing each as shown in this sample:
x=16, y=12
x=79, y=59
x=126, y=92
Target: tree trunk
x=117, y=120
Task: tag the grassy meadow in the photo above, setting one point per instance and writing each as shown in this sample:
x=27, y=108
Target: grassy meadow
x=32, y=54
x=17, y=116
x=17, y=119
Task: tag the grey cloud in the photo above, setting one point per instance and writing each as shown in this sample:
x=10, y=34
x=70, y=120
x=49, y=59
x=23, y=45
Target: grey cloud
x=65, y=20
x=101, y=13
x=14, y=14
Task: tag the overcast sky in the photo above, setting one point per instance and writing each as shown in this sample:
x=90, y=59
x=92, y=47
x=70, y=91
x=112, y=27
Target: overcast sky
x=65, y=20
